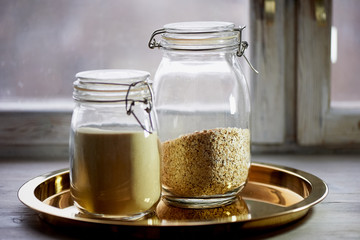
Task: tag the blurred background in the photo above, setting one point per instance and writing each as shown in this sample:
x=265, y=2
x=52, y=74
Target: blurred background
x=44, y=43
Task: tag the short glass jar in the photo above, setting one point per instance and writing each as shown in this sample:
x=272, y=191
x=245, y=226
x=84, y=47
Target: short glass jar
x=114, y=148
x=203, y=107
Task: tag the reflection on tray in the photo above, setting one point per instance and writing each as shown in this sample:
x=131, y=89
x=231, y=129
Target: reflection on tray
x=236, y=211
x=271, y=194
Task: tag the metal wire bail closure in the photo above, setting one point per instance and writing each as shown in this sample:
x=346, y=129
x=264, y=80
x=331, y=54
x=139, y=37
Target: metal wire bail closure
x=152, y=42
x=130, y=103
x=242, y=45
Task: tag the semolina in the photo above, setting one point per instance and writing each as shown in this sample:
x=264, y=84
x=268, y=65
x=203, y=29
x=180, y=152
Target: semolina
x=206, y=163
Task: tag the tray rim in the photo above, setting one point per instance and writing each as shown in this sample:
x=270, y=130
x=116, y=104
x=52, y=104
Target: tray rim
x=319, y=192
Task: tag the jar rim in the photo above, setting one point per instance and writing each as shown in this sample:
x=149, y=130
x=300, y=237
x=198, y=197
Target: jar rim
x=199, y=27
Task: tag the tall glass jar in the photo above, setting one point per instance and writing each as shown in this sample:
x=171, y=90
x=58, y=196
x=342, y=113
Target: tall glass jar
x=114, y=148
x=203, y=107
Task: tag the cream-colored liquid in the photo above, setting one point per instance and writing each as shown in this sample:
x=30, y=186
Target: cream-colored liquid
x=115, y=173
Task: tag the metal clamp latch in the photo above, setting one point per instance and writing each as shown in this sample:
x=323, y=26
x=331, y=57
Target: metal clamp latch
x=129, y=103
x=243, y=45
x=152, y=42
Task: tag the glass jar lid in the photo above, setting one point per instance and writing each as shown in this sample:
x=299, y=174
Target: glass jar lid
x=198, y=36
x=201, y=36
x=113, y=75
x=111, y=85
x=199, y=27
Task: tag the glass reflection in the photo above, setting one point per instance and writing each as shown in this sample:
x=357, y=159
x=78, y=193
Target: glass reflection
x=236, y=211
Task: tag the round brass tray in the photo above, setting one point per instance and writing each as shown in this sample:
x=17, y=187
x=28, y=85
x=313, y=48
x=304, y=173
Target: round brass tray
x=273, y=196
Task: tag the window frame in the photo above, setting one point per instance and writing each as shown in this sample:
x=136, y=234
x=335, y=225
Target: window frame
x=319, y=123
x=272, y=48
x=291, y=42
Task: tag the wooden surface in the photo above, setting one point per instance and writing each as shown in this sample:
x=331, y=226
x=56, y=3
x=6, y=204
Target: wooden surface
x=337, y=217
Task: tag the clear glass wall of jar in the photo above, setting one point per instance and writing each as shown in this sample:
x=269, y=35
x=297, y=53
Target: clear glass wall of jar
x=114, y=148
x=203, y=107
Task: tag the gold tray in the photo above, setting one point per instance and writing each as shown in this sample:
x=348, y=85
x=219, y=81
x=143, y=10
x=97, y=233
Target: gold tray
x=273, y=196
